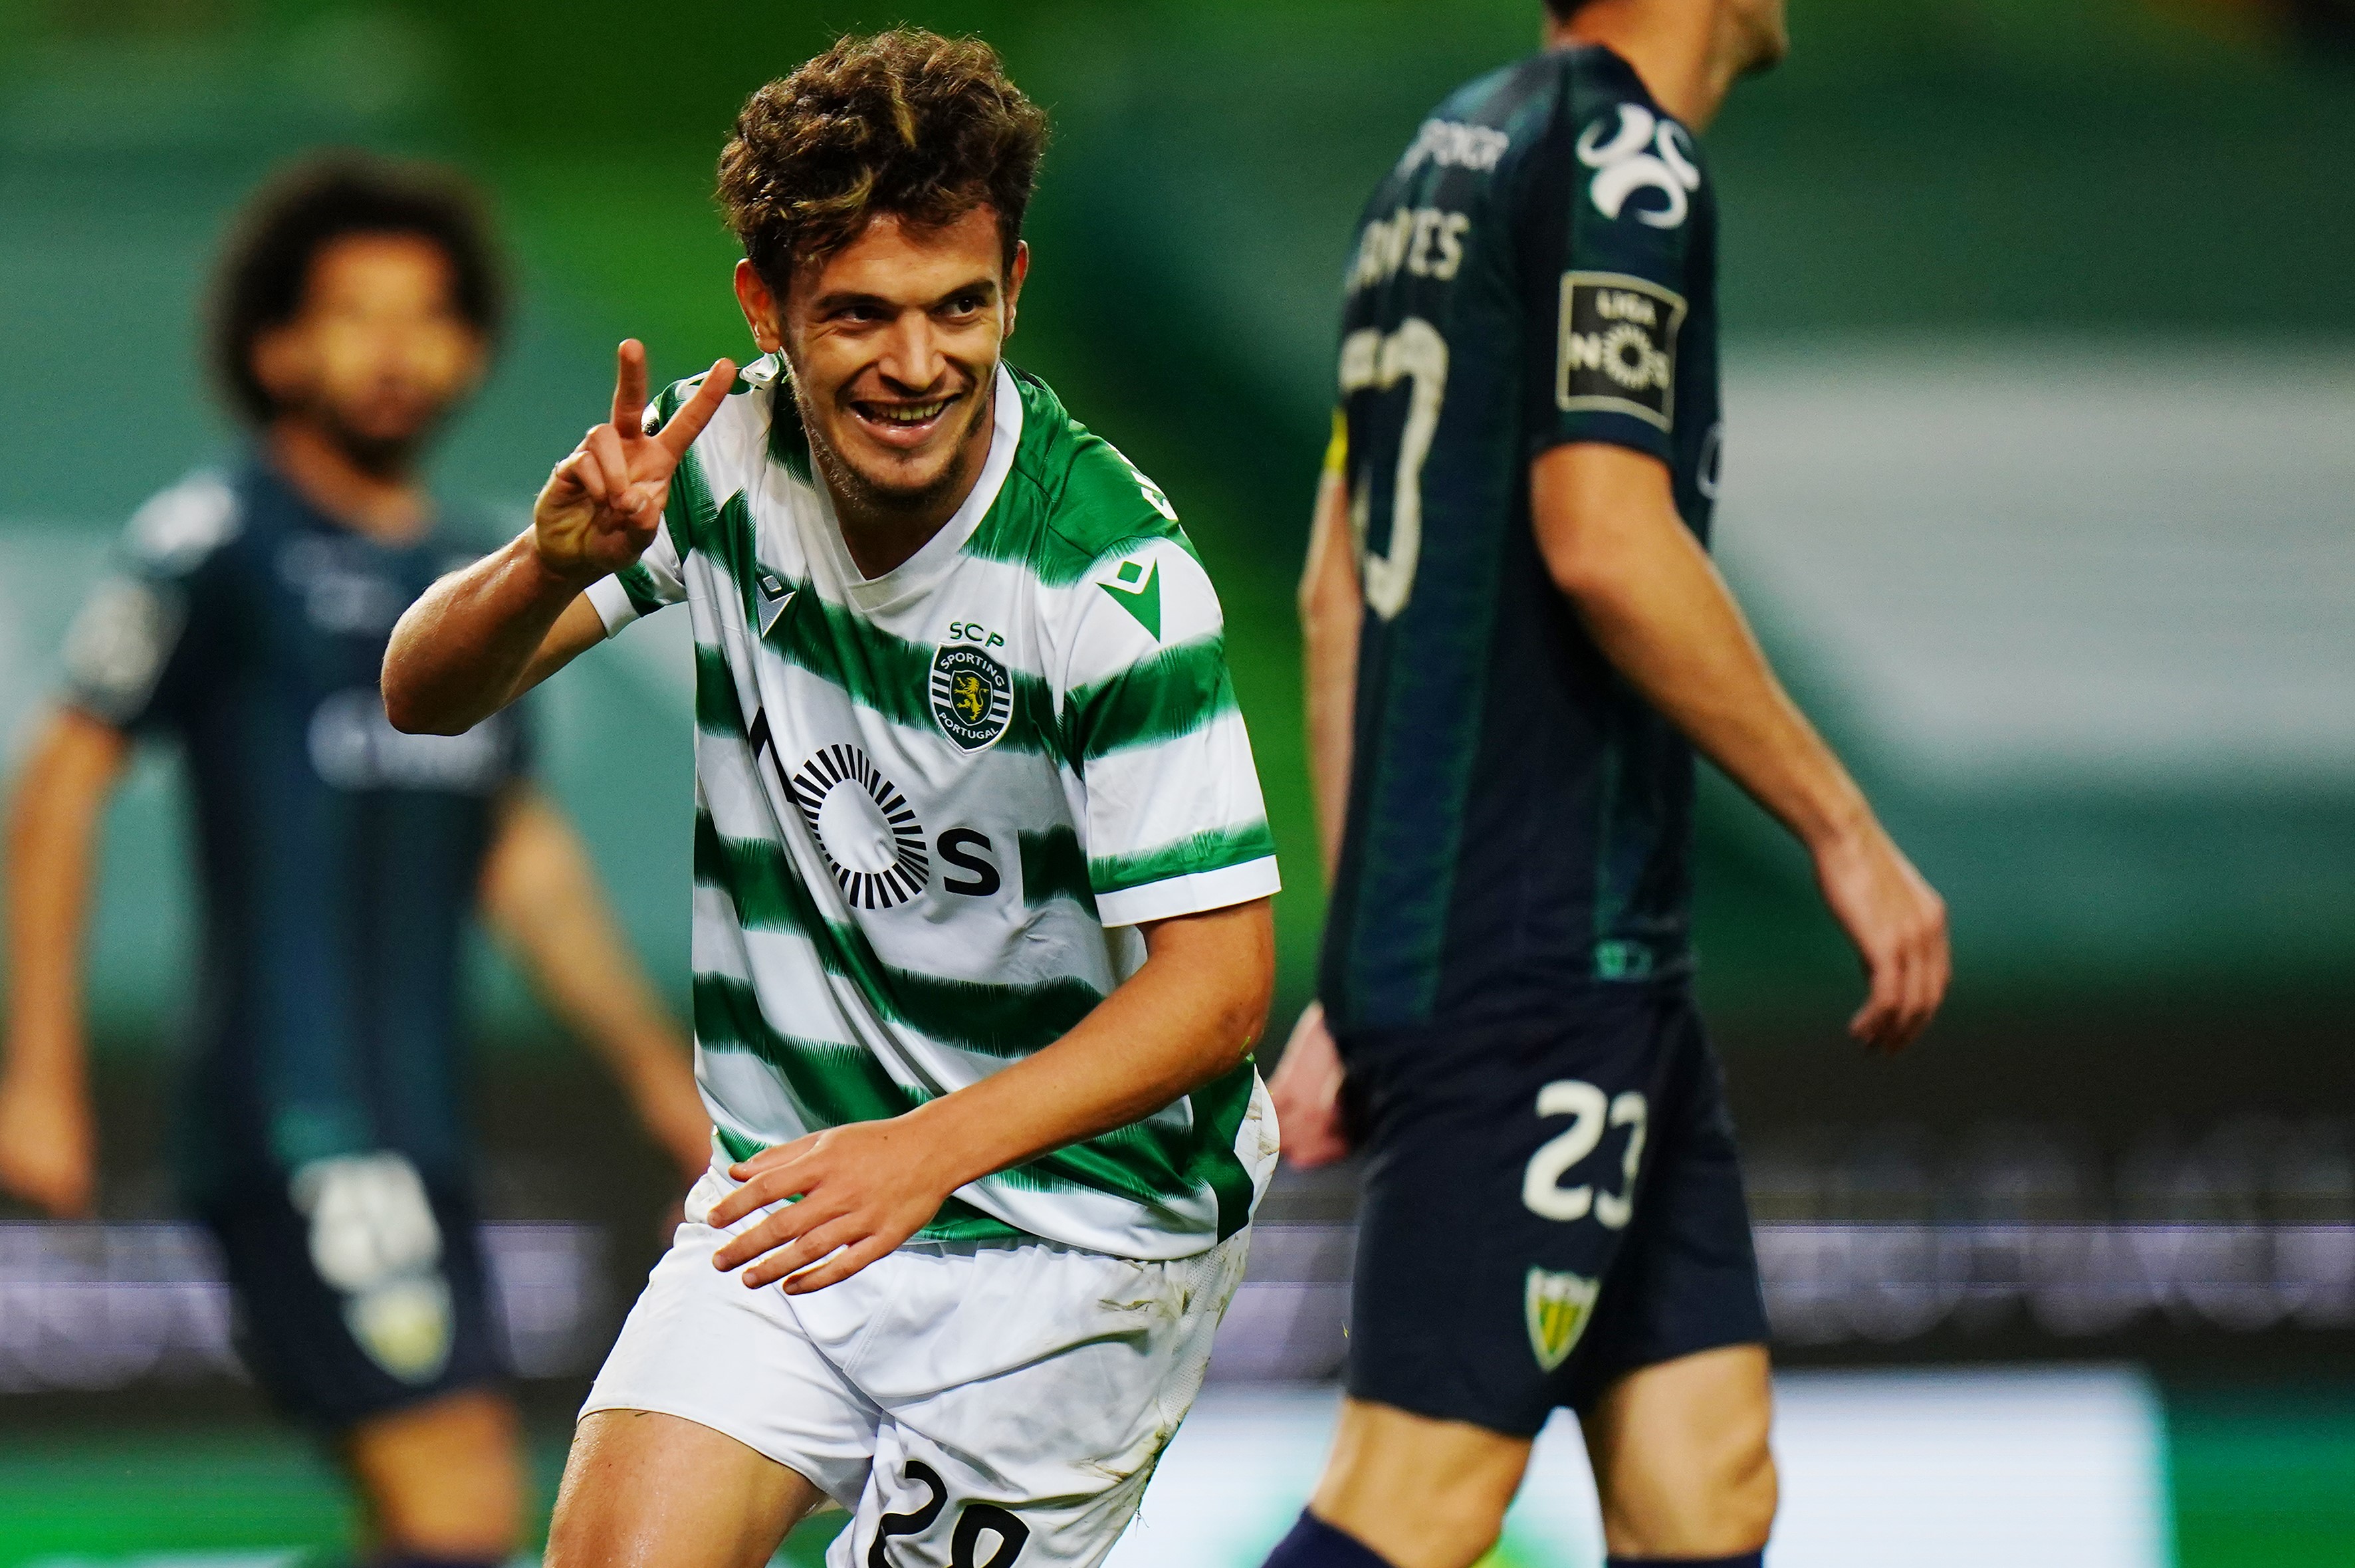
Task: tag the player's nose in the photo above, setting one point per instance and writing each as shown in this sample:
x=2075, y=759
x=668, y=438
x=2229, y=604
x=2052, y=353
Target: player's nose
x=911, y=356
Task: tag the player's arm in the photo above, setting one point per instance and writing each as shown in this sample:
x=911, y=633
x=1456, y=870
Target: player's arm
x=541, y=895
x=482, y=638
x=45, y=1140
x=1307, y=1085
x=1190, y=1013
x=1332, y=614
x=1608, y=526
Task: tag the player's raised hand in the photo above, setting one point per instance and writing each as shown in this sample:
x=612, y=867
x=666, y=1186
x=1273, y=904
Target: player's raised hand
x=1899, y=926
x=1306, y=1090
x=600, y=509
x=862, y=1189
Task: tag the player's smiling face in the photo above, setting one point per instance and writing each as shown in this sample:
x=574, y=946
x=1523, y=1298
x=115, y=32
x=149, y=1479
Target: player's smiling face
x=894, y=341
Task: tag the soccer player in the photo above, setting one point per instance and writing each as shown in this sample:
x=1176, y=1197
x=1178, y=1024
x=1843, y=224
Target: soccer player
x=981, y=939
x=321, y=1135
x=1515, y=639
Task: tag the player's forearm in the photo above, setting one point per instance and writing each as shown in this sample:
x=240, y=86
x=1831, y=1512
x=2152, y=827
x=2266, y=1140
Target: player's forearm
x=1660, y=612
x=541, y=895
x=1192, y=1012
x=477, y=639
x=1332, y=615
x=53, y=825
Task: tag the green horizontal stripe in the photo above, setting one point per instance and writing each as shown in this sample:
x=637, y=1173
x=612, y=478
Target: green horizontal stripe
x=830, y=1083
x=1175, y=692
x=1053, y=867
x=690, y=511
x=1071, y=503
x=833, y=1085
x=638, y=585
x=1205, y=851
x=716, y=712
x=989, y=1019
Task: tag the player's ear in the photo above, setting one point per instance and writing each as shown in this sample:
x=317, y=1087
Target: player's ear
x=760, y=306
x=1014, y=276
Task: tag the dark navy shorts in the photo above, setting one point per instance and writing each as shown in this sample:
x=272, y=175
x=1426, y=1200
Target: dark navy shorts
x=404, y=1321
x=1546, y=1209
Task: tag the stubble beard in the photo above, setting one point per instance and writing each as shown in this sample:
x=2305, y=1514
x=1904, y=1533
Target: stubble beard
x=392, y=458
x=855, y=491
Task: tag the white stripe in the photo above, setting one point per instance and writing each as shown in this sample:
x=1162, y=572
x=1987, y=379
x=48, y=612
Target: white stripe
x=1143, y=797
x=1106, y=638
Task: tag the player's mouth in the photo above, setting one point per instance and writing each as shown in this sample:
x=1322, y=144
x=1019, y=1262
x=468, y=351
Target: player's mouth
x=906, y=423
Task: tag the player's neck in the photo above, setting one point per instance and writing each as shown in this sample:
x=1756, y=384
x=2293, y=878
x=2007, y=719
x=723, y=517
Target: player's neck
x=390, y=509
x=1677, y=50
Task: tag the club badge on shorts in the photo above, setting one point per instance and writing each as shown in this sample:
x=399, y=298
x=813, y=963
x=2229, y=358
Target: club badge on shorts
x=1558, y=1307
x=972, y=697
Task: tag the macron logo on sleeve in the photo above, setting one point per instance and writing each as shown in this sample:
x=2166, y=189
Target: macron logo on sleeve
x=1136, y=588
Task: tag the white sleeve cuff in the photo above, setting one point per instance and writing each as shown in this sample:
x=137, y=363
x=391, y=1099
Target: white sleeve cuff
x=613, y=604
x=1190, y=894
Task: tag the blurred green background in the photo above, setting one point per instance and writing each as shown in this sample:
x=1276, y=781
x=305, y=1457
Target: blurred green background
x=2042, y=445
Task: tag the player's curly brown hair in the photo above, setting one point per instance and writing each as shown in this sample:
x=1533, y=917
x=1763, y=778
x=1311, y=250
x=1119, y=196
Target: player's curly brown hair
x=904, y=122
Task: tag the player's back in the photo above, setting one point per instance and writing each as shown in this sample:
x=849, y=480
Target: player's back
x=339, y=859
x=1537, y=268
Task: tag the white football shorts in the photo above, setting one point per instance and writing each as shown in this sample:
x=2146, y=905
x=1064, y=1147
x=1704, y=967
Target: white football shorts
x=973, y=1406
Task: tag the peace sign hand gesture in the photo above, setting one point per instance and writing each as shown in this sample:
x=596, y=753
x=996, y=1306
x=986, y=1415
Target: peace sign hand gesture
x=600, y=509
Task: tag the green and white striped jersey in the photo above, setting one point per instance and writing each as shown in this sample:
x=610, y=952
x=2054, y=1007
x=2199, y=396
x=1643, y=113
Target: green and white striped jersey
x=932, y=806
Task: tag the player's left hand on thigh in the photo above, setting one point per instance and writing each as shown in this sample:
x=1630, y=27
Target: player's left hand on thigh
x=858, y=1191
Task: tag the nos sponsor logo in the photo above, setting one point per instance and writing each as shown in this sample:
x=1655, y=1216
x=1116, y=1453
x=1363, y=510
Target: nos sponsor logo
x=1618, y=346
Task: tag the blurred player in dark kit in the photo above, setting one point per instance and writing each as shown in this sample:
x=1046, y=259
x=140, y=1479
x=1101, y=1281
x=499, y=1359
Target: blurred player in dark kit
x=1516, y=640
x=320, y=1134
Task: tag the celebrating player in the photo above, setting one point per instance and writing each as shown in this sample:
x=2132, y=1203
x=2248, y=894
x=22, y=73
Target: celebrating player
x=322, y=1127
x=1515, y=637
x=981, y=940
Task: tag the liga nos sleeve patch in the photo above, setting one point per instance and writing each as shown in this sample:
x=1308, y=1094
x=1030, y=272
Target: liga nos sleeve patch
x=1618, y=351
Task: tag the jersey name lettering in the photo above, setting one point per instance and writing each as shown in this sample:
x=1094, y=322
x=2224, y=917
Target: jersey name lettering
x=1428, y=241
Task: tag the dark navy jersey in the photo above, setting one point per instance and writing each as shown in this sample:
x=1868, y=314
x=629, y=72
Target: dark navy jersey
x=339, y=859
x=1538, y=269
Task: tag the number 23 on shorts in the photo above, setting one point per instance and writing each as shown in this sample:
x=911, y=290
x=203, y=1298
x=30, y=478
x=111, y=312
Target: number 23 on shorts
x=1590, y=1113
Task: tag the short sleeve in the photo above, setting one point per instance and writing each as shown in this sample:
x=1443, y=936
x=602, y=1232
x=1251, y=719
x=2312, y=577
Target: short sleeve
x=1609, y=208
x=1174, y=821
x=642, y=588
x=140, y=646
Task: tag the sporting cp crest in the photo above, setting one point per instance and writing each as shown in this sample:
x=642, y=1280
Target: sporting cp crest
x=972, y=697
x=1558, y=1305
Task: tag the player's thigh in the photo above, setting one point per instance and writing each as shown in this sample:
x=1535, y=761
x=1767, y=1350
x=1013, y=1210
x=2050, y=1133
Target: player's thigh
x=1682, y=1457
x=442, y=1478
x=708, y=1380
x=652, y=1490
x=1422, y=1493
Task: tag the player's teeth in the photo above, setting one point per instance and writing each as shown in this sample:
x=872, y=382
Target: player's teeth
x=917, y=414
